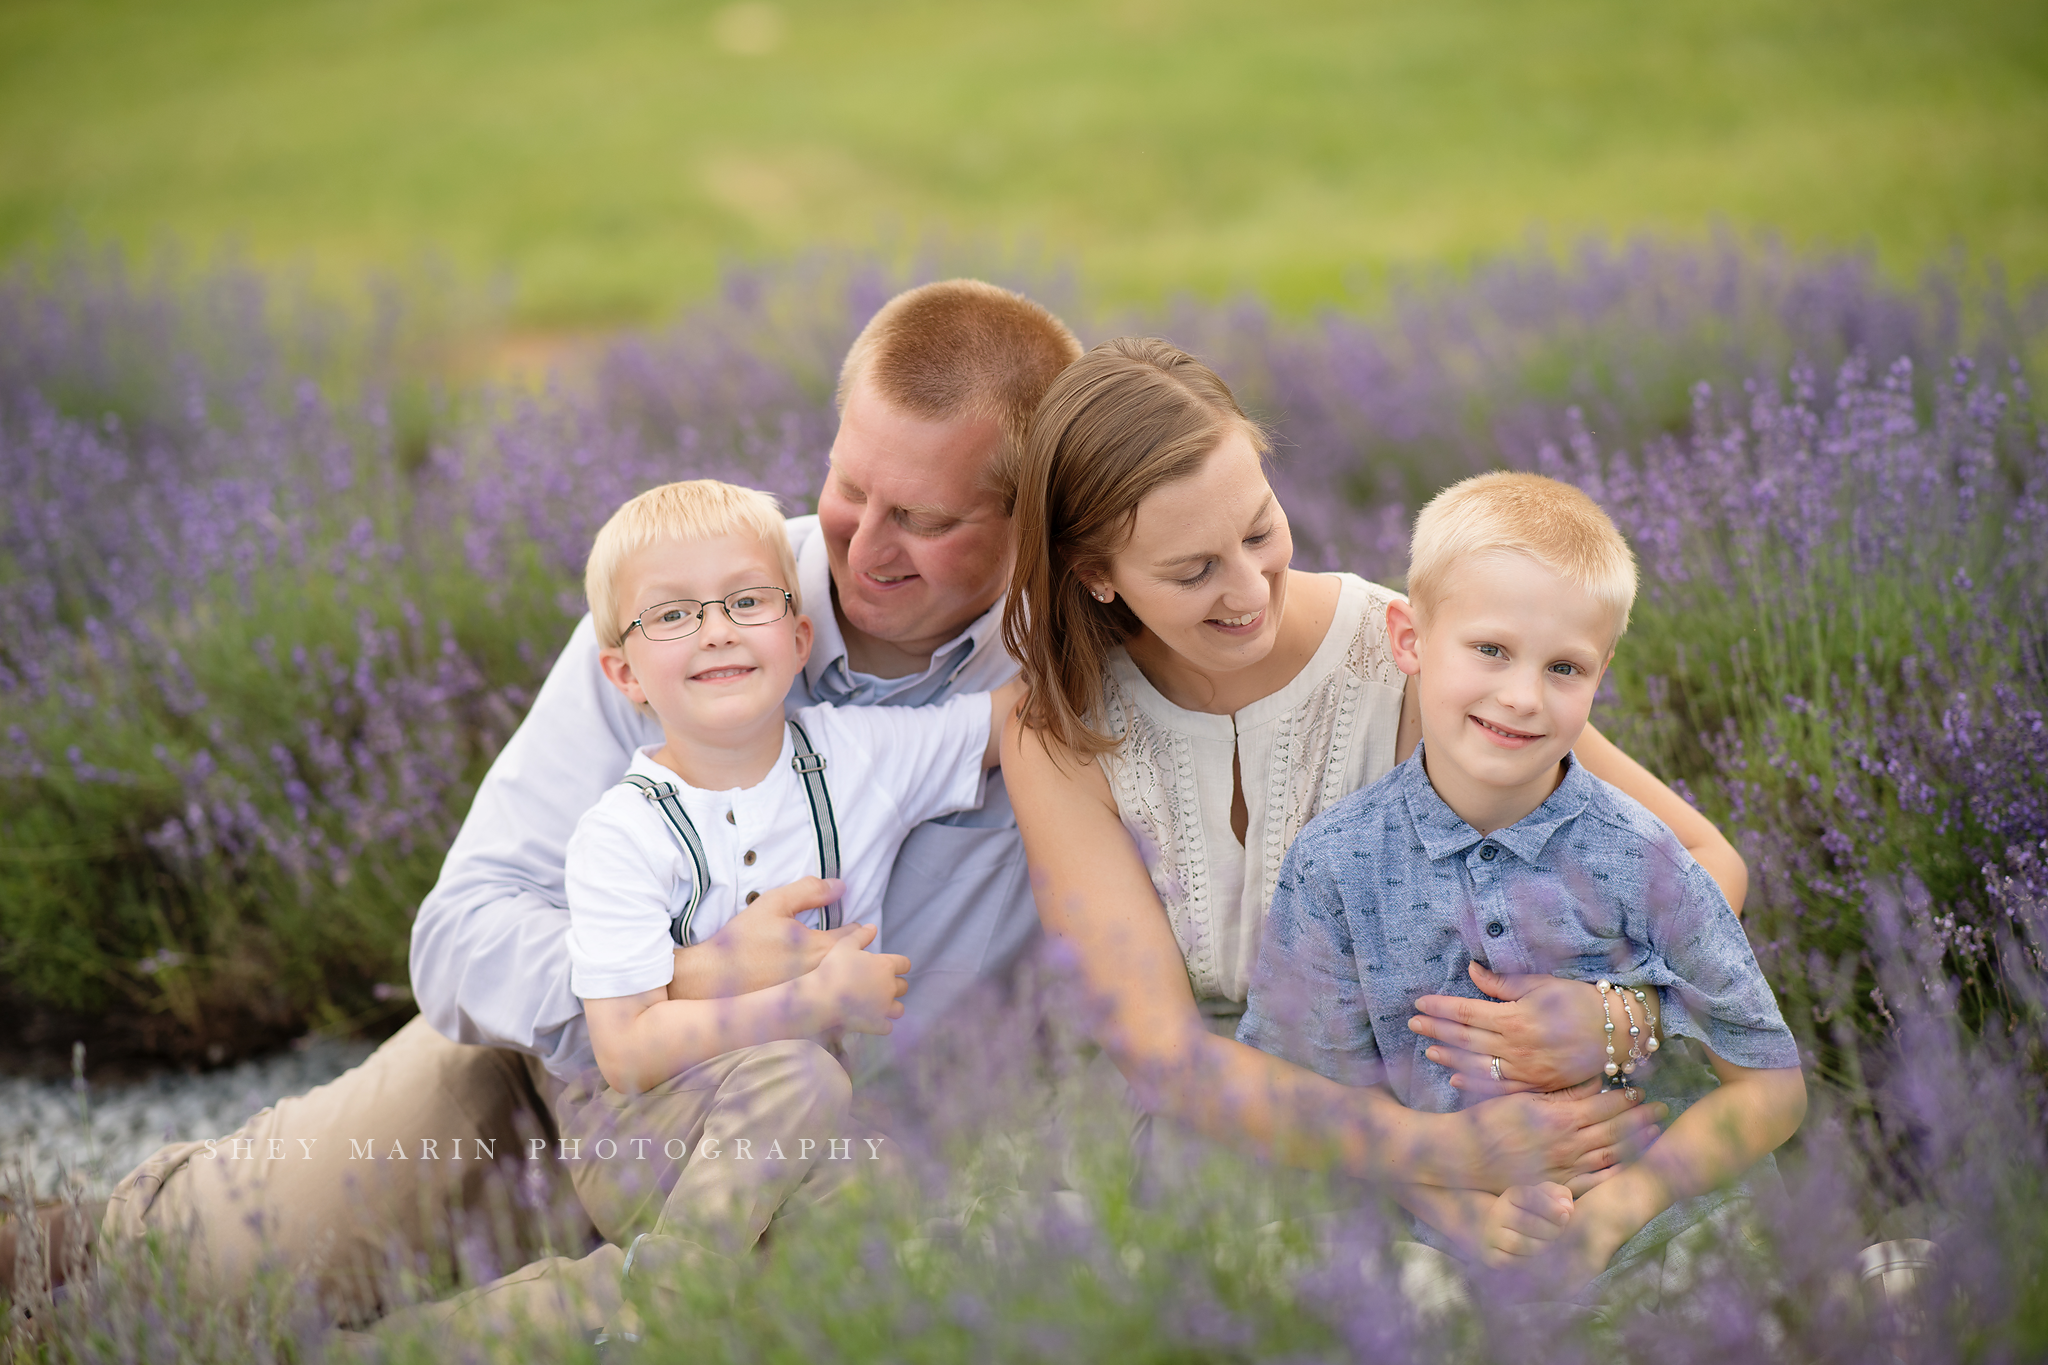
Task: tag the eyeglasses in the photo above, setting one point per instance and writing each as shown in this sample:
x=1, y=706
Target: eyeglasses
x=747, y=607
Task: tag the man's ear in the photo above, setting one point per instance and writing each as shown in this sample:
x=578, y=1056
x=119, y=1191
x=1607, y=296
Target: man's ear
x=1404, y=633
x=619, y=673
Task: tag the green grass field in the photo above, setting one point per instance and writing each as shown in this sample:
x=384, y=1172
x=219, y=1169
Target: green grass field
x=606, y=157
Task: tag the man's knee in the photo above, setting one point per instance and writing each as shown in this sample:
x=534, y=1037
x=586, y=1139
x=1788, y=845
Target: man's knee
x=389, y=1149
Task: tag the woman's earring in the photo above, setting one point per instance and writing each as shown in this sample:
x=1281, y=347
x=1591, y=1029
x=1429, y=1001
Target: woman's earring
x=1103, y=597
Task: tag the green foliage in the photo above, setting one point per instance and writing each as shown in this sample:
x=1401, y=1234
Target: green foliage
x=612, y=158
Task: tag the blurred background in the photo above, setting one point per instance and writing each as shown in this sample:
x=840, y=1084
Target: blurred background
x=329, y=332
x=599, y=163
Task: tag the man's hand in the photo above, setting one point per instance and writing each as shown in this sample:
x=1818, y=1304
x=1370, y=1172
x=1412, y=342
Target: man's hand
x=1523, y=1222
x=1577, y=1138
x=1547, y=1033
x=858, y=990
x=762, y=945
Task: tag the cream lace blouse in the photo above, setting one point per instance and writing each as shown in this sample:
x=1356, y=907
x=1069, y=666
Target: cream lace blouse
x=1327, y=733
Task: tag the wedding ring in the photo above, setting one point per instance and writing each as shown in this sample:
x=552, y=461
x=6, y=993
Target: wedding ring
x=1494, y=1067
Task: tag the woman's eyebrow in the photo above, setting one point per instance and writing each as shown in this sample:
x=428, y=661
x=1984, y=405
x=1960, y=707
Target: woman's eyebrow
x=1265, y=506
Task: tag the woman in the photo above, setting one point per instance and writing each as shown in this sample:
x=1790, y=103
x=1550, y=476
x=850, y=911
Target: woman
x=1186, y=684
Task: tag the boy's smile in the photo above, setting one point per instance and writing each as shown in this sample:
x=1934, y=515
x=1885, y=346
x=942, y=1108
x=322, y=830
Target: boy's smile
x=1505, y=664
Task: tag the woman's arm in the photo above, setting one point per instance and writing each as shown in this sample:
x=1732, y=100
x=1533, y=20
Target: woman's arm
x=1708, y=846
x=1094, y=897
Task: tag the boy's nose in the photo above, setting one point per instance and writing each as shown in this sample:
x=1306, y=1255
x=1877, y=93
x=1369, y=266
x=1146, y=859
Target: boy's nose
x=718, y=627
x=1521, y=692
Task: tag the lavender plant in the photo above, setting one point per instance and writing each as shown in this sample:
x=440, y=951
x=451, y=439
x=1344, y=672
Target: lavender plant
x=1838, y=646
x=274, y=595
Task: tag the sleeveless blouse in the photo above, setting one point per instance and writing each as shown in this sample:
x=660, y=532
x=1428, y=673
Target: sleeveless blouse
x=1327, y=733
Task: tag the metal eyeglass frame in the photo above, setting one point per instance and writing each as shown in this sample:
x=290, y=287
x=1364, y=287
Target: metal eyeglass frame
x=723, y=603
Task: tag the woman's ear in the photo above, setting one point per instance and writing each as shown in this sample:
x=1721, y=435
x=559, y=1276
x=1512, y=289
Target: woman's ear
x=1404, y=633
x=619, y=673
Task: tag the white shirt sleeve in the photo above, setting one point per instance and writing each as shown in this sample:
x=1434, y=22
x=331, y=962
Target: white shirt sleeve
x=924, y=759
x=488, y=959
x=624, y=872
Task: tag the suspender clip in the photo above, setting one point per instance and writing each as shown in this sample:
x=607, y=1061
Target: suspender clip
x=808, y=763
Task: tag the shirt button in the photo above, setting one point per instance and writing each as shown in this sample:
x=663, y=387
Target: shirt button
x=749, y=859
x=1486, y=852
x=1493, y=930
x=729, y=820
x=753, y=896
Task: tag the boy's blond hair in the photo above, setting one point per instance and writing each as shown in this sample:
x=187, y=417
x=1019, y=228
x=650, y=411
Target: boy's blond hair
x=694, y=509
x=963, y=348
x=1553, y=523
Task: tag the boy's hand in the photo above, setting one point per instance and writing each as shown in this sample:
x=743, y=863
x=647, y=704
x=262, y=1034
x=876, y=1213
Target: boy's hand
x=860, y=991
x=1523, y=1222
x=761, y=946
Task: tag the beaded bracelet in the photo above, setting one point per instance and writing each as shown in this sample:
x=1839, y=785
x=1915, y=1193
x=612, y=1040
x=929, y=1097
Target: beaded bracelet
x=1639, y=1049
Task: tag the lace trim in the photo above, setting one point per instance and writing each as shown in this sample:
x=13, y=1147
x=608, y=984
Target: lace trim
x=1153, y=774
x=1322, y=728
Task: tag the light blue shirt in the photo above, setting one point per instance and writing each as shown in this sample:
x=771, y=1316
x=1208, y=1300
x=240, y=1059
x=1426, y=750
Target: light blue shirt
x=1389, y=896
x=489, y=960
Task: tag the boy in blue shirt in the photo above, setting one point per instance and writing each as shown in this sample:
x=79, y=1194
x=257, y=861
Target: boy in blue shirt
x=1490, y=845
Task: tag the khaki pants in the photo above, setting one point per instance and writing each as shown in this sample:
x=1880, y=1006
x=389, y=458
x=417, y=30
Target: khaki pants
x=713, y=1155
x=433, y=1148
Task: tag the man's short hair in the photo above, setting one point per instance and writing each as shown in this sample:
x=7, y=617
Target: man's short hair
x=694, y=509
x=1553, y=523
x=964, y=348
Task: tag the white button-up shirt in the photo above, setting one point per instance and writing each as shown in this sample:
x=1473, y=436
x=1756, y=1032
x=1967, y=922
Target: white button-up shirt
x=889, y=768
x=490, y=962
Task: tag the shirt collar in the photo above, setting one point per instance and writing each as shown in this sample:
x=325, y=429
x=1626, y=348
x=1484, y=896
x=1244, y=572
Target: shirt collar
x=1444, y=833
x=828, y=643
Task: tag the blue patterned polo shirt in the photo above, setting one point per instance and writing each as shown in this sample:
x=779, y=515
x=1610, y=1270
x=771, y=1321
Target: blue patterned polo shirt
x=1388, y=895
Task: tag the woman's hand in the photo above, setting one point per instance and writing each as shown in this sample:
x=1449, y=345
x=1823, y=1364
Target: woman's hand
x=1547, y=1033
x=1577, y=1138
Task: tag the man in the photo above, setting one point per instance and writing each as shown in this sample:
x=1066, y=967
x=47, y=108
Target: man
x=911, y=547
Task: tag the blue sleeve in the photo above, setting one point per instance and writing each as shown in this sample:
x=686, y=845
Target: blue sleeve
x=1716, y=993
x=1307, y=1004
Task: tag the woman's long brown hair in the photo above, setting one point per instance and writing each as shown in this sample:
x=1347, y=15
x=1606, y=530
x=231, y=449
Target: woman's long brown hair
x=1126, y=418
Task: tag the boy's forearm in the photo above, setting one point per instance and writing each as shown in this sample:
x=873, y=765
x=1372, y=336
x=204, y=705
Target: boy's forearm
x=670, y=1037
x=1721, y=1136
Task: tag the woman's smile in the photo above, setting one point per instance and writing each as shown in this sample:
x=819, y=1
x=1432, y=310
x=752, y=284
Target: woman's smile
x=1247, y=624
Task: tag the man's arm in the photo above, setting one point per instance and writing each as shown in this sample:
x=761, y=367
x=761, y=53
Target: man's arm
x=488, y=960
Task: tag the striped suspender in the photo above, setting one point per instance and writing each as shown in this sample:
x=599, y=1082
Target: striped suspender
x=810, y=766
x=663, y=794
